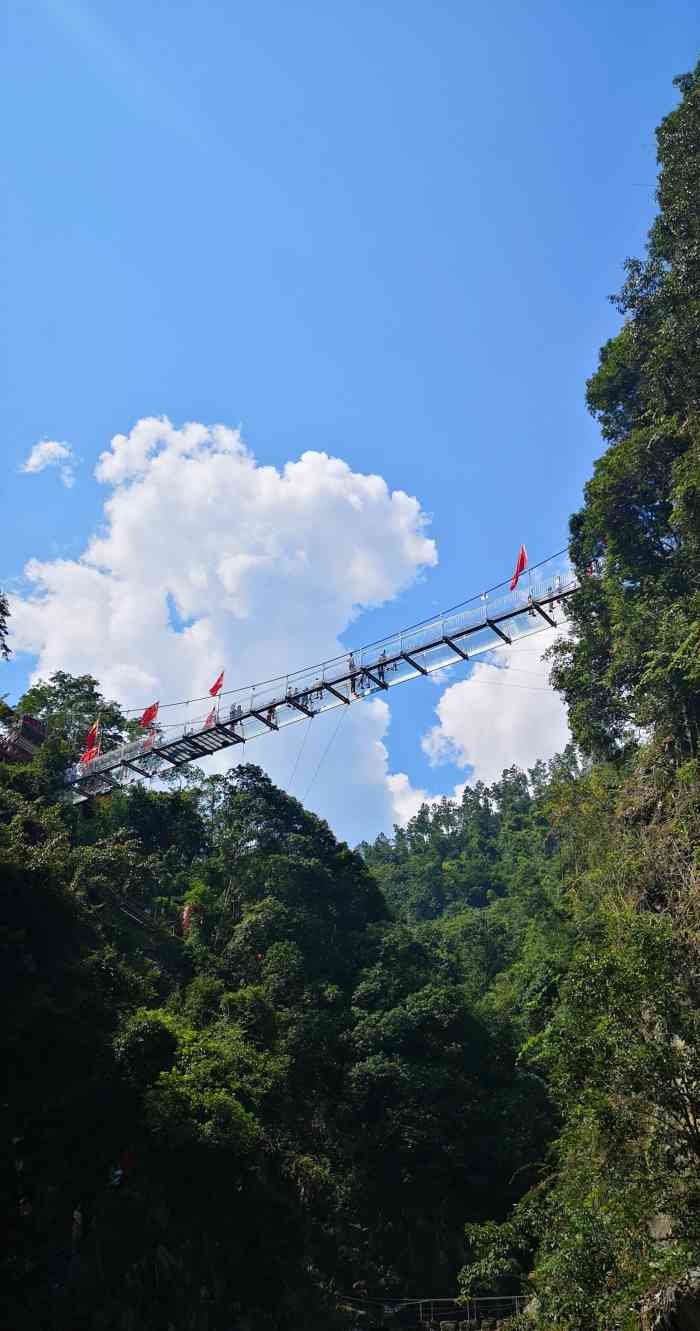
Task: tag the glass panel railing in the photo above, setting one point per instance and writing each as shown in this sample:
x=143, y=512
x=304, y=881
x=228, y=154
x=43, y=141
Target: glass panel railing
x=465, y=630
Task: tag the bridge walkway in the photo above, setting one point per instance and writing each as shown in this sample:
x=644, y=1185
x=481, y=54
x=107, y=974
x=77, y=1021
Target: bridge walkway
x=495, y=619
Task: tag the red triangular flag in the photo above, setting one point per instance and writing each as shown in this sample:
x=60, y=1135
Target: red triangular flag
x=149, y=715
x=217, y=685
x=91, y=737
x=210, y=719
x=89, y=754
x=520, y=564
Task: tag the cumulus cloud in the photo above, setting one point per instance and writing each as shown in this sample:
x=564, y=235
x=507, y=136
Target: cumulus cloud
x=265, y=569
x=406, y=799
x=504, y=713
x=51, y=453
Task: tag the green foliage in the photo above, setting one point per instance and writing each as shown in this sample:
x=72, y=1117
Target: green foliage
x=495, y=1252
x=297, y=1060
x=616, y=1033
x=70, y=704
x=633, y=661
x=144, y=1047
x=473, y=1046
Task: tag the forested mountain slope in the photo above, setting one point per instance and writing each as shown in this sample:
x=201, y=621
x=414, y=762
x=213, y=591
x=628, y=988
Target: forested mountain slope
x=614, y=1212
x=249, y=1067
x=307, y=1092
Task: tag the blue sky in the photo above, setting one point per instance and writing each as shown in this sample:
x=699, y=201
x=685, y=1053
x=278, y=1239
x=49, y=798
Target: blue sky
x=386, y=232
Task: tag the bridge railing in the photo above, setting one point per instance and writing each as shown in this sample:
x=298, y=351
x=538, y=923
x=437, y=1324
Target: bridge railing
x=434, y=1312
x=466, y=630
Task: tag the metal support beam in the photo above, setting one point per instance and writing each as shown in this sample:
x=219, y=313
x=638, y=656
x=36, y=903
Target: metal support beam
x=336, y=693
x=540, y=611
x=293, y=702
x=374, y=678
x=222, y=729
x=176, y=760
x=500, y=632
x=457, y=650
x=271, y=725
x=140, y=771
x=464, y=639
x=421, y=669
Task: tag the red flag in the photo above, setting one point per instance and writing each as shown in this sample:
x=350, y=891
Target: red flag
x=217, y=684
x=91, y=737
x=89, y=754
x=520, y=564
x=210, y=719
x=149, y=715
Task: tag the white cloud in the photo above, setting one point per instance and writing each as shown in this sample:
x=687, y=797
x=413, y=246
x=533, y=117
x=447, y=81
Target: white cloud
x=50, y=453
x=406, y=799
x=503, y=714
x=266, y=568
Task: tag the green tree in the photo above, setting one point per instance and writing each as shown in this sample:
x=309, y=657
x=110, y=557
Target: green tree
x=70, y=704
x=632, y=662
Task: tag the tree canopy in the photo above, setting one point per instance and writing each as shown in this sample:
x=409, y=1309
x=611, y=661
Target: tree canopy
x=253, y=1072
x=69, y=704
x=632, y=664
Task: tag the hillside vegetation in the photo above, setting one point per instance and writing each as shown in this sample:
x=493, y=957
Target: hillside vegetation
x=466, y=1057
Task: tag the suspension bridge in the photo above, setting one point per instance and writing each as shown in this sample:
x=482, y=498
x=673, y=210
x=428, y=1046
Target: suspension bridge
x=499, y=617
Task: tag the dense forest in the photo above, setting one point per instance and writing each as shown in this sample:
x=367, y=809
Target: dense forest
x=249, y=1068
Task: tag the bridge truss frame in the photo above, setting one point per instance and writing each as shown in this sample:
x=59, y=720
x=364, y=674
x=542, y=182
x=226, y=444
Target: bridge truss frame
x=495, y=619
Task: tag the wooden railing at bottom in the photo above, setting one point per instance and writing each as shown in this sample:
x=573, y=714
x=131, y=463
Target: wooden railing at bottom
x=433, y=1312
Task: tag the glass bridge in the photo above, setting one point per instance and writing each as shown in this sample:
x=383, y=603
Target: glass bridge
x=495, y=618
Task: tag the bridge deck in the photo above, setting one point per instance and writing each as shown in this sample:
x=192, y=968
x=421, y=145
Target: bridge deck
x=477, y=626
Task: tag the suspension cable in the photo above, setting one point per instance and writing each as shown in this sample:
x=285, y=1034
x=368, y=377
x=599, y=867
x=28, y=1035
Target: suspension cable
x=324, y=754
x=300, y=750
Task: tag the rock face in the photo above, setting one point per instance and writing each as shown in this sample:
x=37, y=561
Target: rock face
x=675, y=1308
